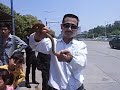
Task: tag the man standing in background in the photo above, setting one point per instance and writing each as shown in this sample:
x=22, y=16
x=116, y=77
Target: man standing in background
x=9, y=43
x=31, y=60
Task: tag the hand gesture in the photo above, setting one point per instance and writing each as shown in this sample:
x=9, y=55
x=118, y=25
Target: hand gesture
x=64, y=56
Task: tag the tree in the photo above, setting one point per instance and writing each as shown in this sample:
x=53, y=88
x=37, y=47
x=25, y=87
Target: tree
x=110, y=29
x=21, y=21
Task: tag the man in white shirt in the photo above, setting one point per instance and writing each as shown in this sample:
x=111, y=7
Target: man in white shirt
x=66, y=67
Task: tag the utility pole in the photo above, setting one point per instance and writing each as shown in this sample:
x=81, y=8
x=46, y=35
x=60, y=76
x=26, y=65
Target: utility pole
x=12, y=14
x=105, y=31
x=46, y=22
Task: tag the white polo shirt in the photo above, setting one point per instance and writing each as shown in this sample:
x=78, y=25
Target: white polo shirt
x=63, y=75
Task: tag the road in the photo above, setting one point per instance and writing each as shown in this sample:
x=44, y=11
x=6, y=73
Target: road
x=102, y=71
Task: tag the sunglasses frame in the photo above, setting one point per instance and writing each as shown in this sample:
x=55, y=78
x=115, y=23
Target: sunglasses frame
x=69, y=25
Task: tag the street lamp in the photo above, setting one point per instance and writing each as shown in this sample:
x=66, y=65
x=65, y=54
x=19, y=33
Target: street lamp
x=12, y=14
x=46, y=22
x=106, y=25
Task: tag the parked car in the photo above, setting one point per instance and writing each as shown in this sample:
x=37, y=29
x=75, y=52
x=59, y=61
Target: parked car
x=115, y=42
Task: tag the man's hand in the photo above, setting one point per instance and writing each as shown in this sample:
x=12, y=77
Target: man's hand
x=64, y=56
x=40, y=34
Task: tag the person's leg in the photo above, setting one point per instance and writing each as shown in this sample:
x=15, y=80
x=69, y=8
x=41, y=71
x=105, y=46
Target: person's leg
x=34, y=71
x=44, y=63
x=27, y=73
x=28, y=64
x=45, y=78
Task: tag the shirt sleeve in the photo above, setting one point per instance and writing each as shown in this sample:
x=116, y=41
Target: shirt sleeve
x=32, y=42
x=43, y=46
x=79, y=61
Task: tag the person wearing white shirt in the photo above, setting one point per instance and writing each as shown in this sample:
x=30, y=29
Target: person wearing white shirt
x=67, y=66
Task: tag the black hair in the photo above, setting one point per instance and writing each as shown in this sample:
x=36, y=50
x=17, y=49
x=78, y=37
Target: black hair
x=18, y=57
x=71, y=16
x=6, y=76
x=5, y=25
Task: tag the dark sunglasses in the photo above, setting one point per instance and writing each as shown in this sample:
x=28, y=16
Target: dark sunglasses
x=68, y=25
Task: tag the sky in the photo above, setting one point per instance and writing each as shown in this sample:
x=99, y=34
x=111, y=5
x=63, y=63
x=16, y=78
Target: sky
x=90, y=12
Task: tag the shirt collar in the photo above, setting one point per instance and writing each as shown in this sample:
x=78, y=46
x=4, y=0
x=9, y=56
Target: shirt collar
x=10, y=36
x=61, y=40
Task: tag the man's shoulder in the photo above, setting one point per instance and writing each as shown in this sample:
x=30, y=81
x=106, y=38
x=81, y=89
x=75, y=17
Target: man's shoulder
x=79, y=43
x=14, y=37
x=33, y=34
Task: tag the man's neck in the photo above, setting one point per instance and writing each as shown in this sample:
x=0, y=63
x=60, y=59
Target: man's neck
x=67, y=40
x=5, y=37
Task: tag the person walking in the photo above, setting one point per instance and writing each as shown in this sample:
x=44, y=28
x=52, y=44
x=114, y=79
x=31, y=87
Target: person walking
x=67, y=64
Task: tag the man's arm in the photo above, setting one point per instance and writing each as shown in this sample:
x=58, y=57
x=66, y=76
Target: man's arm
x=20, y=43
x=79, y=62
x=43, y=46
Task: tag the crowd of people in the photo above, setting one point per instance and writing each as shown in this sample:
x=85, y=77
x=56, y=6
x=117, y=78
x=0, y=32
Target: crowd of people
x=60, y=71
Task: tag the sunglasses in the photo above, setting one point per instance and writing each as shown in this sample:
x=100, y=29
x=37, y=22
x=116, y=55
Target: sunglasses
x=68, y=25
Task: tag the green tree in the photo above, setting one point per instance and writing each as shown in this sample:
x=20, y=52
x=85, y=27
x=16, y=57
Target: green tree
x=21, y=21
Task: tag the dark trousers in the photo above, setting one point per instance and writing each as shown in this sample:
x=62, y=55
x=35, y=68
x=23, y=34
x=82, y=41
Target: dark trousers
x=80, y=88
x=30, y=63
x=43, y=64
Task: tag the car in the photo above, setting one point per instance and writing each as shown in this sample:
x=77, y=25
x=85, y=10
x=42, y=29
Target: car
x=115, y=42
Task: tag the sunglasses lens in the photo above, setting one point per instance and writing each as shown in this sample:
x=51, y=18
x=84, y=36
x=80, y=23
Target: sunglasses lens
x=67, y=26
x=74, y=27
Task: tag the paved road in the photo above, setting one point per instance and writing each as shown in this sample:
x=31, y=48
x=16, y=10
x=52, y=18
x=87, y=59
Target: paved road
x=102, y=71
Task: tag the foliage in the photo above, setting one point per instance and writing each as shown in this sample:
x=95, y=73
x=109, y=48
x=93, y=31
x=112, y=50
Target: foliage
x=108, y=30
x=21, y=21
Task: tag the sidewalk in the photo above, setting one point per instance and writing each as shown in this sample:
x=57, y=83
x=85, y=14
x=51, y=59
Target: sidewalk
x=33, y=86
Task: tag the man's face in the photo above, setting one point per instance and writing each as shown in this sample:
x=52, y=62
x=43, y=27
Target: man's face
x=5, y=31
x=69, y=27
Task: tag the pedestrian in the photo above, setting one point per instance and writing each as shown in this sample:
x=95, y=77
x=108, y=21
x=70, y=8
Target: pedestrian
x=6, y=80
x=31, y=61
x=43, y=64
x=67, y=65
x=15, y=67
x=9, y=43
